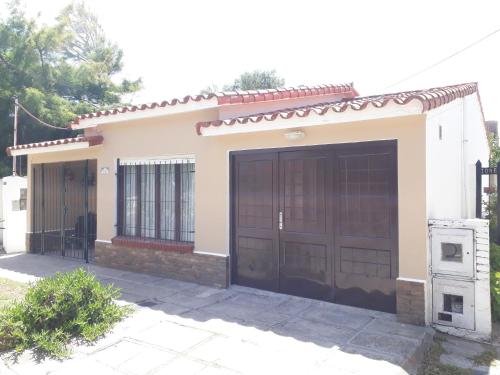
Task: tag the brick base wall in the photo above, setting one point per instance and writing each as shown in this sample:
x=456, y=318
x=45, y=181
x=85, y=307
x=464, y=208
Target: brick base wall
x=203, y=269
x=410, y=297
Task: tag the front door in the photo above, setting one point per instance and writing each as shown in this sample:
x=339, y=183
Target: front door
x=319, y=222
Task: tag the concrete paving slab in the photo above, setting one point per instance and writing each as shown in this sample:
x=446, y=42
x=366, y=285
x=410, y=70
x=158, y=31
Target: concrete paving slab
x=234, y=354
x=293, y=306
x=118, y=353
x=149, y=360
x=170, y=308
x=82, y=366
x=184, y=328
x=386, y=343
x=456, y=360
x=216, y=370
x=177, y=285
x=465, y=348
x=395, y=328
x=253, y=314
x=173, y=336
x=322, y=334
x=334, y=315
x=28, y=363
x=140, y=278
x=252, y=300
x=361, y=361
x=195, y=301
x=181, y=365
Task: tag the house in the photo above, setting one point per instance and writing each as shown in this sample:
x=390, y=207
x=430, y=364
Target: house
x=311, y=191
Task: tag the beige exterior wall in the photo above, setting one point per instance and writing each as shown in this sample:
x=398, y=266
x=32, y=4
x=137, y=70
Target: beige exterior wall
x=175, y=135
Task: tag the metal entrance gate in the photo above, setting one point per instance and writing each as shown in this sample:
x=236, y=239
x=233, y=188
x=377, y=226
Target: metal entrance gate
x=63, y=209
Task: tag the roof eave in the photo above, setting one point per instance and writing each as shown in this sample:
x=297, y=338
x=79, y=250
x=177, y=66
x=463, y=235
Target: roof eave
x=50, y=149
x=140, y=114
x=314, y=119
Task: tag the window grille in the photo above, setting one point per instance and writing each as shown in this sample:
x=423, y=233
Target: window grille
x=156, y=199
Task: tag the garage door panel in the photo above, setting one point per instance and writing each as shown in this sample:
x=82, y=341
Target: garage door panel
x=255, y=204
x=363, y=242
x=304, y=179
x=365, y=262
x=304, y=269
x=255, y=259
x=365, y=194
x=376, y=294
x=306, y=232
x=305, y=260
x=366, y=235
x=255, y=262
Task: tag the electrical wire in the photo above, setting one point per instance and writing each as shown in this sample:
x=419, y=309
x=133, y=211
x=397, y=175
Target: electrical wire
x=37, y=119
x=444, y=59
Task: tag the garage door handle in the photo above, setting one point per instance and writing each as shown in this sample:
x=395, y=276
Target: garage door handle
x=280, y=224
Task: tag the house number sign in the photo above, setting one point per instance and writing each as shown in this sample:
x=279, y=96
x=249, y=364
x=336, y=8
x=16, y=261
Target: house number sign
x=489, y=170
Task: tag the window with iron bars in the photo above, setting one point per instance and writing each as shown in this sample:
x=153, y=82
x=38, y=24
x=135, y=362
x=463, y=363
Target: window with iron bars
x=156, y=200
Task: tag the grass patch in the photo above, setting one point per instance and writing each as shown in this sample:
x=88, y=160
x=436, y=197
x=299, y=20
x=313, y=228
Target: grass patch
x=431, y=365
x=55, y=310
x=486, y=358
x=11, y=291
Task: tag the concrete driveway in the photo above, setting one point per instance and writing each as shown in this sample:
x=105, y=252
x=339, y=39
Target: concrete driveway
x=183, y=328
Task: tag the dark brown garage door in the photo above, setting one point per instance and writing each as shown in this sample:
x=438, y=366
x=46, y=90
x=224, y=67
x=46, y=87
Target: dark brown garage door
x=319, y=222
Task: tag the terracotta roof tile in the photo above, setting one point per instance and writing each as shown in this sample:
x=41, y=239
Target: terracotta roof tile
x=430, y=99
x=93, y=141
x=230, y=97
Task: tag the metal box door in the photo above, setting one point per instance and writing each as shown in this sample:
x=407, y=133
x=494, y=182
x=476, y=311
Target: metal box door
x=452, y=251
x=453, y=303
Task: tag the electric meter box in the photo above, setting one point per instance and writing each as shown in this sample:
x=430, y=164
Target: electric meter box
x=453, y=303
x=452, y=251
x=459, y=273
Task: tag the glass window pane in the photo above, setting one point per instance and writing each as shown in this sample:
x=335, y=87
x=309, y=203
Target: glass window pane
x=453, y=303
x=148, y=201
x=167, y=201
x=130, y=197
x=187, y=202
x=451, y=252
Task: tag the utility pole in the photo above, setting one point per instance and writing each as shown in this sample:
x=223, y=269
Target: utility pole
x=14, y=158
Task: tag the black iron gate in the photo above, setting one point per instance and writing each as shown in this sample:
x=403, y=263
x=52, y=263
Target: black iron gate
x=63, y=209
x=489, y=171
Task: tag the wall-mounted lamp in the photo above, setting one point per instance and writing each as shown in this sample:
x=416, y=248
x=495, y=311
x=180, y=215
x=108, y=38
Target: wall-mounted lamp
x=295, y=136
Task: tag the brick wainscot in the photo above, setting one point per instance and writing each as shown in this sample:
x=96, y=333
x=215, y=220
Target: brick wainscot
x=172, y=260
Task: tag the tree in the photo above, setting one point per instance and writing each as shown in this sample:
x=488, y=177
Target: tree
x=255, y=80
x=258, y=79
x=56, y=71
x=210, y=89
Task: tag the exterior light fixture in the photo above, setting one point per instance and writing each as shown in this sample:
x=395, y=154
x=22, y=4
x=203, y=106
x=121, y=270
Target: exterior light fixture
x=295, y=136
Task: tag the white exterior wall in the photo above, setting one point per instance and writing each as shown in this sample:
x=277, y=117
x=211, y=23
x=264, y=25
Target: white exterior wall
x=476, y=148
x=14, y=234
x=450, y=164
x=451, y=179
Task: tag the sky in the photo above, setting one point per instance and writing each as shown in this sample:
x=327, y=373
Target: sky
x=180, y=47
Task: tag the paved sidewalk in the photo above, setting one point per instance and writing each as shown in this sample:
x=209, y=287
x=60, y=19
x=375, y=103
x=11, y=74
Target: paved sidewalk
x=182, y=328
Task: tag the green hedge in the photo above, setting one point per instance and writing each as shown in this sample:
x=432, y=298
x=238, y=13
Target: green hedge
x=58, y=309
x=495, y=280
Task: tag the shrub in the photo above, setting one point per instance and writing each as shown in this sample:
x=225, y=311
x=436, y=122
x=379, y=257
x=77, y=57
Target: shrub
x=57, y=309
x=495, y=280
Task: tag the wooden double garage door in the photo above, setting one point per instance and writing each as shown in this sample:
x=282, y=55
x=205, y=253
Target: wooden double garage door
x=319, y=222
